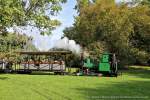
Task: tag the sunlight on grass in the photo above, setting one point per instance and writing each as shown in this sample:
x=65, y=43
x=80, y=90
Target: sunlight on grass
x=56, y=87
x=141, y=67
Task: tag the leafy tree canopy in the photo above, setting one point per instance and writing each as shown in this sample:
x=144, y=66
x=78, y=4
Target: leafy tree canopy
x=29, y=12
x=121, y=29
x=13, y=43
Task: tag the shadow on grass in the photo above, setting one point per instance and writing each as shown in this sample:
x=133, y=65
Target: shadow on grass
x=3, y=78
x=47, y=73
x=138, y=72
x=131, y=90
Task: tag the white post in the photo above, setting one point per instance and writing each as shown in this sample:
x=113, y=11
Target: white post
x=3, y=67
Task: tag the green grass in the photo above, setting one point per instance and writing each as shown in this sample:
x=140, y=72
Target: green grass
x=133, y=82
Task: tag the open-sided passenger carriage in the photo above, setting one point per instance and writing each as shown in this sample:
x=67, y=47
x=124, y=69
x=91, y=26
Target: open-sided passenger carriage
x=53, y=61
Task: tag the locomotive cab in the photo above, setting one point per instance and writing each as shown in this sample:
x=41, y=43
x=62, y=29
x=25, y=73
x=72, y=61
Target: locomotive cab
x=108, y=64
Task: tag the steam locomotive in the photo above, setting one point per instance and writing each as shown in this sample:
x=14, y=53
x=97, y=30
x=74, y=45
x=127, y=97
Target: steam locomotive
x=107, y=64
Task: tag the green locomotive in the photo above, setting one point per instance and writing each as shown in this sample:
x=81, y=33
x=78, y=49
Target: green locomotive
x=107, y=64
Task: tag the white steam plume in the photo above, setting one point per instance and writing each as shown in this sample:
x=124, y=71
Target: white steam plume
x=67, y=44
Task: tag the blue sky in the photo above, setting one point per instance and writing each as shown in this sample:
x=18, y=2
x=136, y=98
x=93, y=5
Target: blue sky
x=66, y=16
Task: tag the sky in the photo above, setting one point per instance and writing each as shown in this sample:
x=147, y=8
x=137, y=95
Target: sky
x=66, y=17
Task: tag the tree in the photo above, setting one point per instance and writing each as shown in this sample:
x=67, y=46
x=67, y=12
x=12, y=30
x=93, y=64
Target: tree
x=29, y=12
x=145, y=2
x=13, y=43
x=118, y=27
x=140, y=37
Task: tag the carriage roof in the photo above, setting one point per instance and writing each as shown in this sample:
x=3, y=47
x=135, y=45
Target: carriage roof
x=45, y=53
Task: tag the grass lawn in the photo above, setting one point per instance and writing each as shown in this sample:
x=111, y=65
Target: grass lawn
x=133, y=82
